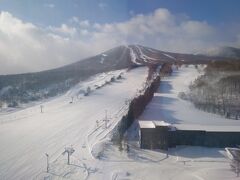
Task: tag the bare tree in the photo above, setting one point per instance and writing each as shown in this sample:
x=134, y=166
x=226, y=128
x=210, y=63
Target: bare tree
x=235, y=165
x=88, y=90
x=234, y=155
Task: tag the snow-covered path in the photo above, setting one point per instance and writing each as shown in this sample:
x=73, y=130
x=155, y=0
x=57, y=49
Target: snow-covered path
x=26, y=135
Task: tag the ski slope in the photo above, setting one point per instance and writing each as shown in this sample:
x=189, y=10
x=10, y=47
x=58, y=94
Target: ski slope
x=27, y=134
x=167, y=106
x=128, y=161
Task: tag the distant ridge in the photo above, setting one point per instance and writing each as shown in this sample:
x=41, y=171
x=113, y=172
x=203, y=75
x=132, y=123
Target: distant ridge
x=227, y=52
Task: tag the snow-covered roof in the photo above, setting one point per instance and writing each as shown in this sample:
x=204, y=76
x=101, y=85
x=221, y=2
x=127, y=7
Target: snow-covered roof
x=146, y=124
x=152, y=124
x=161, y=123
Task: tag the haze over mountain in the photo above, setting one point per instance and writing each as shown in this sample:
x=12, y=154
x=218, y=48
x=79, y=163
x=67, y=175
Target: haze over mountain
x=228, y=52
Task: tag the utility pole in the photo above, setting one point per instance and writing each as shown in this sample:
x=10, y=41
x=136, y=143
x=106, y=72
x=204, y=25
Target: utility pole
x=97, y=123
x=47, y=162
x=126, y=102
x=69, y=151
x=106, y=119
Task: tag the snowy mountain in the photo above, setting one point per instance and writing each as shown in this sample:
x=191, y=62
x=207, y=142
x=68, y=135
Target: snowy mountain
x=86, y=121
x=22, y=88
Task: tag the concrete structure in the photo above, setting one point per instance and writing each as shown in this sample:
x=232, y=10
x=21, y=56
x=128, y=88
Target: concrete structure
x=161, y=135
x=154, y=134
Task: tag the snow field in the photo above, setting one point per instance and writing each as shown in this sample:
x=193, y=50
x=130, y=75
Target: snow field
x=167, y=106
x=26, y=135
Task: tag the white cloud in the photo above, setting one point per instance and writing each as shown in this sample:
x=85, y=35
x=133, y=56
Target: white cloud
x=84, y=23
x=64, y=29
x=163, y=30
x=84, y=32
x=49, y=5
x=97, y=26
x=74, y=19
x=26, y=47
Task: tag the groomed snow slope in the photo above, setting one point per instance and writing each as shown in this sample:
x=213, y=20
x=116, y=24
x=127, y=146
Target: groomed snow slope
x=26, y=135
x=167, y=106
x=181, y=163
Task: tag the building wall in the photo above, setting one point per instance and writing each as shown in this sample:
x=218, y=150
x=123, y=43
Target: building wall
x=161, y=138
x=203, y=138
x=154, y=138
x=222, y=139
x=182, y=137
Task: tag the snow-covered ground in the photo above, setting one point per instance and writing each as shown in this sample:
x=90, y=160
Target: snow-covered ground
x=181, y=163
x=133, y=163
x=167, y=106
x=128, y=161
x=27, y=134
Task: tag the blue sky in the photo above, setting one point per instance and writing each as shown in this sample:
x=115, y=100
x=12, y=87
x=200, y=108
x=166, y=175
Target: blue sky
x=55, y=12
x=102, y=11
x=43, y=34
x=213, y=11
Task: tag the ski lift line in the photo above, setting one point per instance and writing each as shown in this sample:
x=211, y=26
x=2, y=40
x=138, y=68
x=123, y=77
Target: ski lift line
x=121, y=112
x=59, y=152
x=102, y=121
x=49, y=161
x=104, y=133
x=102, y=139
x=108, y=131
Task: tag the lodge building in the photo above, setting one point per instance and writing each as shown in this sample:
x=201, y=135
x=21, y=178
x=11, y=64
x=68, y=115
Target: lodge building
x=161, y=135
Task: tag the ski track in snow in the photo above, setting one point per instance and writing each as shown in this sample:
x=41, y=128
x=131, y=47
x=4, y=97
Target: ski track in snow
x=144, y=56
x=171, y=57
x=133, y=56
x=151, y=50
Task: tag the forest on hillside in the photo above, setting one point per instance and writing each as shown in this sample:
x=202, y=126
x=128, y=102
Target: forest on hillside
x=218, y=89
